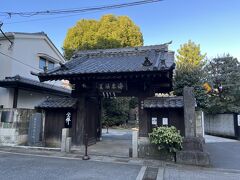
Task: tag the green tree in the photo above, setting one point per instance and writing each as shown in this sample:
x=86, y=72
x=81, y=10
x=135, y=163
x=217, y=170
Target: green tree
x=115, y=111
x=223, y=74
x=189, y=71
x=109, y=32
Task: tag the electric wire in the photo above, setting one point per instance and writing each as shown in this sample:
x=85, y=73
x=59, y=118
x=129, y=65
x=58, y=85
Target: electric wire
x=19, y=61
x=42, y=19
x=77, y=10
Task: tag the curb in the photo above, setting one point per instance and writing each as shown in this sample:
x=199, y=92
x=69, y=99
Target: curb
x=141, y=173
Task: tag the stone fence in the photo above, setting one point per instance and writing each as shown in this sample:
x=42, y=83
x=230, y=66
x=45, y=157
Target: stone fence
x=14, y=124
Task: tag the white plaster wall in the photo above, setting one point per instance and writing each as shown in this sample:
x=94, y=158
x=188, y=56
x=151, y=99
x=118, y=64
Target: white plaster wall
x=5, y=62
x=219, y=124
x=29, y=99
x=25, y=49
x=6, y=97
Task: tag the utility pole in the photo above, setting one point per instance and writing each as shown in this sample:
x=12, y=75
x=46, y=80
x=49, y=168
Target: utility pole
x=11, y=43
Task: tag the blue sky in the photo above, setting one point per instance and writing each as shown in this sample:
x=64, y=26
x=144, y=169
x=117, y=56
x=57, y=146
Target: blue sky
x=214, y=24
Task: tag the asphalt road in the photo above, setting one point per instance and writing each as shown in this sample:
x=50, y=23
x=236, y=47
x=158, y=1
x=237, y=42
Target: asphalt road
x=24, y=167
x=224, y=153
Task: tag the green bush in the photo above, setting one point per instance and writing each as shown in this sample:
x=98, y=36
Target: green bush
x=166, y=138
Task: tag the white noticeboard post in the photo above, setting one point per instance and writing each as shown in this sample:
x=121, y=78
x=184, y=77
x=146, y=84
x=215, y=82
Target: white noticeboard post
x=154, y=121
x=238, y=120
x=164, y=121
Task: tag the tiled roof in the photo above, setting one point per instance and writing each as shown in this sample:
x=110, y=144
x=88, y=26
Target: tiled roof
x=164, y=102
x=20, y=81
x=131, y=59
x=58, y=103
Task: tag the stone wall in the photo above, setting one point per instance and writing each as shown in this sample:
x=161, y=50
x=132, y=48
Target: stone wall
x=15, y=132
x=219, y=124
x=150, y=151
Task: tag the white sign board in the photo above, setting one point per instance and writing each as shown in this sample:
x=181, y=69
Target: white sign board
x=164, y=121
x=68, y=120
x=154, y=121
x=239, y=120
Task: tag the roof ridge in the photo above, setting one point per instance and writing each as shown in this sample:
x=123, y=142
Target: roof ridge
x=158, y=47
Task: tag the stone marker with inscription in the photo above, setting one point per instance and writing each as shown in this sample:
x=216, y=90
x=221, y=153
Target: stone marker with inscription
x=35, y=129
x=193, y=147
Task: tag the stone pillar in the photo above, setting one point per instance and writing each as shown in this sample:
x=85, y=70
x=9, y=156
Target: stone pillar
x=65, y=134
x=193, y=147
x=199, y=124
x=143, y=119
x=189, y=112
x=68, y=144
x=134, y=142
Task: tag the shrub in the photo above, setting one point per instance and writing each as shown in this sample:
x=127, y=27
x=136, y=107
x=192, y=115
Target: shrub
x=166, y=138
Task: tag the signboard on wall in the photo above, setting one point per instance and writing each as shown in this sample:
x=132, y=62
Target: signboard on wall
x=112, y=86
x=68, y=120
x=164, y=121
x=154, y=121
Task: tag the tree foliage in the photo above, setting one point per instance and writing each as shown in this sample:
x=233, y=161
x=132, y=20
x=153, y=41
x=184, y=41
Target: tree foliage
x=115, y=111
x=109, y=32
x=223, y=74
x=189, y=57
x=189, y=71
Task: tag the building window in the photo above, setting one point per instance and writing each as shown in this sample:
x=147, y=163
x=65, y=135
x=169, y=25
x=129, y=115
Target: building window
x=50, y=65
x=7, y=116
x=42, y=63
x=45, y=63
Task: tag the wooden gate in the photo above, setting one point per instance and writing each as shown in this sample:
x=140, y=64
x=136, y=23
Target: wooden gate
x=54, y=123
x=92, y=119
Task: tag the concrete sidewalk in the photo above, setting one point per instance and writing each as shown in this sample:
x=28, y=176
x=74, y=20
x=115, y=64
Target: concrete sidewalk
x=216, y=139
x=193, y=173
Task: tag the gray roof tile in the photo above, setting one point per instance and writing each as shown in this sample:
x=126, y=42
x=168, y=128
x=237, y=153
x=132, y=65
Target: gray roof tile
x=19, y=80
x=163, y=102
x=129, y=59
x=58, y=103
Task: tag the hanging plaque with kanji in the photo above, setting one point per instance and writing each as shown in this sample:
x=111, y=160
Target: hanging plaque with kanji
x=68, y=120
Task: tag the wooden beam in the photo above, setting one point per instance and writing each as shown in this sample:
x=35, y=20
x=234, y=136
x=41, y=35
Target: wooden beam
x=15, y=97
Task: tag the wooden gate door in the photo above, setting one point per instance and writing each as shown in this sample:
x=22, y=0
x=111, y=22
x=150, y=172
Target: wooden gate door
x=92, y=119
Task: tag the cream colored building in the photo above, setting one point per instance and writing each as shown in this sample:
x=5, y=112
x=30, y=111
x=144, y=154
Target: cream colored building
x=29, y=52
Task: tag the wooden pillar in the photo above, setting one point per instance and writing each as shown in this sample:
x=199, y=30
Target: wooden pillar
x=100, y=119
x=81, y=118
x=15, y=97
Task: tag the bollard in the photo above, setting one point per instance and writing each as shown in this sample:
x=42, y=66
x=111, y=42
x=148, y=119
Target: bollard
x=68, y=144
x=86, y=157
x=134, y=142
x=65, y=134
